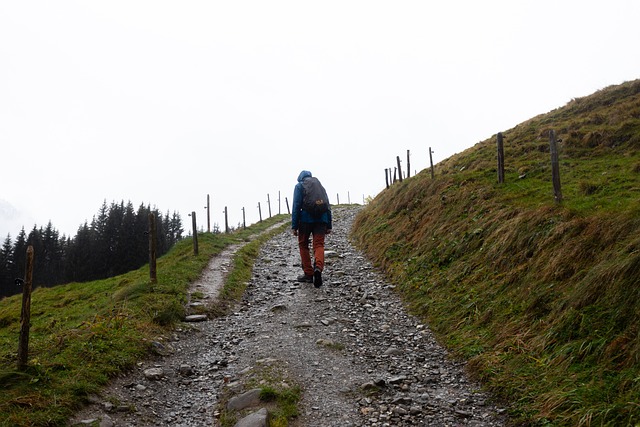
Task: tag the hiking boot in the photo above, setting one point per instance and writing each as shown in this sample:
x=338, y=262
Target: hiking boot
x=317, y=277
x=305, y=278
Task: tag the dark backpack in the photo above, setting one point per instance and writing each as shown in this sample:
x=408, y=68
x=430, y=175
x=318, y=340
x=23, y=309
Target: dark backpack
x=314, y=200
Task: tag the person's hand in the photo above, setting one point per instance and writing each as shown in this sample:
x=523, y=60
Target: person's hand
x=295, y=232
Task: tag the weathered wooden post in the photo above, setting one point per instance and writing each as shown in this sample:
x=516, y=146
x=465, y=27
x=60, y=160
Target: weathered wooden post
x=500, y=158
x=25, y=315
x=226, y=220
x=195, y=233
x=399, y=169
x=269, y=204
x=244, y=221
x=208, y=216
x=395, y=174
x=386, y=176
x=555, y=167
x=431, y=161
x=408, y=165
x=348, y=198
x=152, y=248
x=259, y=211
x=338, y=198
x=287, y=202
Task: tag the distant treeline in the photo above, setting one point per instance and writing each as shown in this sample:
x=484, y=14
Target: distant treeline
x=115, y=242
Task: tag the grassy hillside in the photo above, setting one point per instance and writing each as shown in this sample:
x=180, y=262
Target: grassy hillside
x=84, y=333
x=542, y=299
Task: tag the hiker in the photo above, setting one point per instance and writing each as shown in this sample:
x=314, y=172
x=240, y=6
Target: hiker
x=311, y=215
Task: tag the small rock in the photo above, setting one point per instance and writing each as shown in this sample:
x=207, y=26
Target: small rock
x=369, y=386
x=267, y=361
x=154, y=374
x=160, y=349
x=392, y=351
x=397, y=380
x=257, y=419
x=196, y=318
x=185, y=370
x=245, y=400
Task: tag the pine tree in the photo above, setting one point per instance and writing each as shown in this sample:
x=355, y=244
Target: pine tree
x=6, y=263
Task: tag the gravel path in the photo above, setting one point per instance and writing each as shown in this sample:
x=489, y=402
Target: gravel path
x=359, y=358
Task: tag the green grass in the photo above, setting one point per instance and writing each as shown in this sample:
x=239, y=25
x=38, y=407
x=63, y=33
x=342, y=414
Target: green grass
x=278, y=393
x=82, y=334
x=541, y=298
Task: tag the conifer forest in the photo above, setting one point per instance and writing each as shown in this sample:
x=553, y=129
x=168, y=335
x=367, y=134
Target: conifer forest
x=115, y=242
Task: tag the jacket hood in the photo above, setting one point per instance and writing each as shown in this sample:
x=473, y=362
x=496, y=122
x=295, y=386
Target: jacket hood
x=303, y=175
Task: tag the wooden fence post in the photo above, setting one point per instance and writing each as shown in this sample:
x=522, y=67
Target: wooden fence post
x=226, y=220
x=244, y=221
x=287, y=202
x=208, y=216
x=152, y=248
x=500, y=158
x=386, y=176
x=408, y=165
x=555, y=167
x=338, y=198
x=195, y=233
x=25, y=315
x=259, y=211
x=431, y=161
x=269, y=204
x=399, y=169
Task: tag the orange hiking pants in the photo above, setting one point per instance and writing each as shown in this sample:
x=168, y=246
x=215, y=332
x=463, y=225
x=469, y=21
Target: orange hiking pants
x=318, y=230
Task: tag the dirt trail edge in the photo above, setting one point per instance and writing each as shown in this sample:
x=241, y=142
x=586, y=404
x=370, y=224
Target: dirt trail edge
x=359, y=358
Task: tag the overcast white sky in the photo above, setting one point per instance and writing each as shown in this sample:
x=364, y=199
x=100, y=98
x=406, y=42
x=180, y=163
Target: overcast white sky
x=164, y=102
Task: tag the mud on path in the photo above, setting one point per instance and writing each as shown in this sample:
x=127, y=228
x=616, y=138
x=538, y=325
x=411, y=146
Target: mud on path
x=359, y=358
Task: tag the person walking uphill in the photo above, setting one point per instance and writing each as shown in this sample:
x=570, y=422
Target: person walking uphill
x=311, y=215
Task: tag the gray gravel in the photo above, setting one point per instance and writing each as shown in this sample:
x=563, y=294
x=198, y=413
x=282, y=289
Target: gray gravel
x=360, y=359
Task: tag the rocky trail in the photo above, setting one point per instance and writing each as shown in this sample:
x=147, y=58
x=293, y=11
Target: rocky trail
x=358, y=357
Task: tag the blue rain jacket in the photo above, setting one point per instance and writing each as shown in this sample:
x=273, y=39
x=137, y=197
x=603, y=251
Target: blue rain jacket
x=297, y=214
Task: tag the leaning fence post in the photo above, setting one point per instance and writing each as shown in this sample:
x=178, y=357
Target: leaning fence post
x=399, y=169
x=152, y=248
x=555, y=167
x=386, y=176
x=500, y=158
x=287, y=202
x=25, y=315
